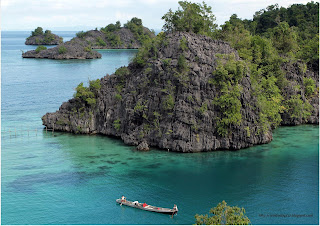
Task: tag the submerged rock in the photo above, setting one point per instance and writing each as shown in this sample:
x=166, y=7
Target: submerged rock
x=167, y=101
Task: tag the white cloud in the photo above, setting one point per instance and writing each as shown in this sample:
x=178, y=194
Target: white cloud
x=124, y=16
x=26, y=15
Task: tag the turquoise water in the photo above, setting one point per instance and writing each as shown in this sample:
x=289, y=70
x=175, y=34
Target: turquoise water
x=62, y=178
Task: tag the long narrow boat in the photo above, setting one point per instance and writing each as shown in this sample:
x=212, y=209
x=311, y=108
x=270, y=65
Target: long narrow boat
x=147, y=207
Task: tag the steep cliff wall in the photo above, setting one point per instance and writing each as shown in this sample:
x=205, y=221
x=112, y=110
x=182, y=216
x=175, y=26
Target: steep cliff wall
x=163, y=104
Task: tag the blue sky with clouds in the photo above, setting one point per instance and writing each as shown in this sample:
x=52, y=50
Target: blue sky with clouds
x=88, y=14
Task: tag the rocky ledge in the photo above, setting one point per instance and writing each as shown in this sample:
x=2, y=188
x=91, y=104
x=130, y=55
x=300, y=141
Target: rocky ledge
x=172, y=100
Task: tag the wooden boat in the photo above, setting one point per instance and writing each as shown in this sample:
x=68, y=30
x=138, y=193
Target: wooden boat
x=147, y=207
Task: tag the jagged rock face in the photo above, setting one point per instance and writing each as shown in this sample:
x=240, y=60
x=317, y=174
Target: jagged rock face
x=40, y=40
x=295, y=77
x=154, y=105
x=75, y=49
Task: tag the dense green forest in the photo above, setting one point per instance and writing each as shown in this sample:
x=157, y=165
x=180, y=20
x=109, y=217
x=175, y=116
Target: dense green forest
x=274, y=37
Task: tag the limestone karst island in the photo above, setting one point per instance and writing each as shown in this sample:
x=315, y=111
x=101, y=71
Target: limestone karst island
x=131, y=113
x=38, y=37
x=131, y=36
x=195, y=87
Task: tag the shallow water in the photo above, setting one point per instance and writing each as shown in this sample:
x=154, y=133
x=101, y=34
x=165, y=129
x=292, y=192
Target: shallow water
x=62, y=178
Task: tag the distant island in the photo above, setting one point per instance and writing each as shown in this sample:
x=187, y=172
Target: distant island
x=197, y=88
x=38, y=37
x=131, y=36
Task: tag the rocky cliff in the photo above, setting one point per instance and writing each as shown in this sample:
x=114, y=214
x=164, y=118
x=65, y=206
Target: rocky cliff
x=296, y=90
x=44, y=39
x=82, y=47
x=174, y=100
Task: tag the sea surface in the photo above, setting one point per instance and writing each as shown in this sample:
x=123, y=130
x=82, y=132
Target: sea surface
x=61, y=178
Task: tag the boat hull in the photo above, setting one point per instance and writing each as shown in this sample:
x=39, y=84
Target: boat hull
x=147, y=208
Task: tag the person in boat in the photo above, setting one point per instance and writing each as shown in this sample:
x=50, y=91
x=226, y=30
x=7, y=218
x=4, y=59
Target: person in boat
x=144, y=204
x=123, y=199
x=175, y=208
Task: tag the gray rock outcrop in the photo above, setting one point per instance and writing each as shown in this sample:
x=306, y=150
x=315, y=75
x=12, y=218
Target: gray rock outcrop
x=154, y=105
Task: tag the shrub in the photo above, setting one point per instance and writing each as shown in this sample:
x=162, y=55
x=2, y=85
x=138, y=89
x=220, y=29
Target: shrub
x=117, y=124
x=203, y=108
x=310, y=86
x=224, y=215
x=111, y=27
x=113, y=39
x=182, y=64
x=169, y=102
x=62, y=49
x=140, y=107
x=101, y=42
x=48, y=38
x=40, y=48
x=81, y=34
x=166, y=62
x=122, y=71
x=87, y=49
x=88, y=94
x=37, y=31
x=148, y=70
x=297, y=108
x=118, y=96
x=95, y=85
x=183, y=44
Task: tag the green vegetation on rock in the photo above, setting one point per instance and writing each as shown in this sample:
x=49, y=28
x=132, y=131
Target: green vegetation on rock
x=223, y=214
x=136, y=27
x=62, y=49
x=88, y=94
x=37, y=31
x=117, y=124
x=48, y=36
x=192, y=17
x=297, y=108
x=111, y=27
x=81, y=34
x=226, y=77
x=40, y=48
x=310, y=86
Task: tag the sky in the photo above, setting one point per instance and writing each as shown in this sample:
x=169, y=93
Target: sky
x=76, y=15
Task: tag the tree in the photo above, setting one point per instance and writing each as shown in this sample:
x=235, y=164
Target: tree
x=191, y=17
x=118, y=24
x=37, y=31
x=223, y=214
x=284, y=38
x=40, y=48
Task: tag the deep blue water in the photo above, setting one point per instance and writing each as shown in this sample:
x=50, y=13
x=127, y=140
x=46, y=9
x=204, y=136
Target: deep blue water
x=62, y=178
